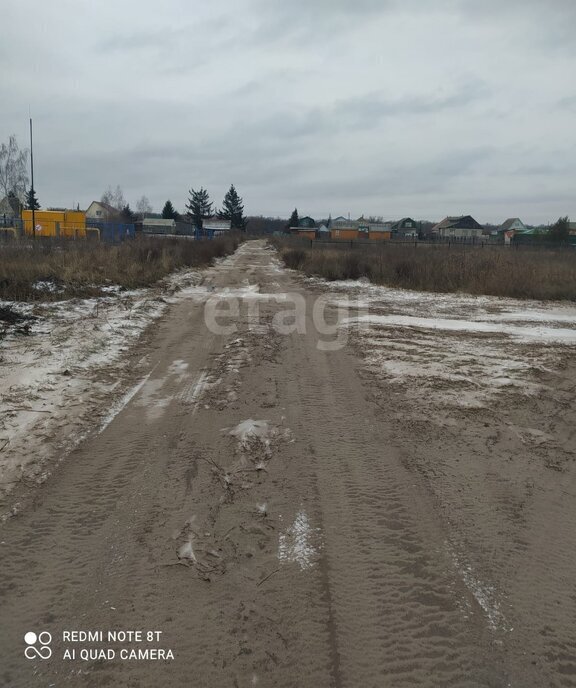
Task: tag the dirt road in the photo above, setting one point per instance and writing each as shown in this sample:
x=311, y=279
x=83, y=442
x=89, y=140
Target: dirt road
x=253, y=502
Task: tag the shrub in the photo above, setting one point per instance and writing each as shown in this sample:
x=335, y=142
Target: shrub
x=523, y=273
x=78, y=268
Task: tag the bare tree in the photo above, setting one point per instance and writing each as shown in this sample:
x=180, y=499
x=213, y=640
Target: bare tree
x=114, y=197
x=13, y=173
x=143, y=206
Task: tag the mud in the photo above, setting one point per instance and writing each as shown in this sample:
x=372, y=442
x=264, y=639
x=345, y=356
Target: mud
x=287, y=516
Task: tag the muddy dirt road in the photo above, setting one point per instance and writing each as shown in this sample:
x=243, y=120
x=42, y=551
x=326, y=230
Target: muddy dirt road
x=253, y=503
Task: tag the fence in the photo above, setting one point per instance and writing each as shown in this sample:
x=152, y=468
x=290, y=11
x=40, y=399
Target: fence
x=472, y=243
x=110, y=232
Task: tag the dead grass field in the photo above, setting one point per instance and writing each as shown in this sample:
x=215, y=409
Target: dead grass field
x=496, y=271
x=47, y=270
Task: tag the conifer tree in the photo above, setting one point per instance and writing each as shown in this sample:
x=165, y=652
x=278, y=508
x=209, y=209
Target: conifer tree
x=233, y=210
x=31, y=200
x=293, y=221
x=168, y=212
x=199, y=207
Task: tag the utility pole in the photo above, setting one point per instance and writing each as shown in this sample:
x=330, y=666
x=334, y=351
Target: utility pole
x=32, y=178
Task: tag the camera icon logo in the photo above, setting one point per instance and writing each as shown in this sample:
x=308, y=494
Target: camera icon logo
x=38, y=646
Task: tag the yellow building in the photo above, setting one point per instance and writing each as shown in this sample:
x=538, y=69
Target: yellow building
x=70, y=224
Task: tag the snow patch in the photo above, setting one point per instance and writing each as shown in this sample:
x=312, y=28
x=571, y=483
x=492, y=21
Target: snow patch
x=456, y=349
x=484, y=594
x=186, y=551
x=528, y=333
x=47, y=286
x=252, y=428
x=297, y=543
x=124, y=401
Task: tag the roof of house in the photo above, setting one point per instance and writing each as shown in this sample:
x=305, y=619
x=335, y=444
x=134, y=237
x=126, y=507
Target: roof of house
x=158, y=222
x=9, y=205
x=106, y=206
x=306, y=221
x=398, y=224
x=455, y=222
x=509, y=222
x=216, y=224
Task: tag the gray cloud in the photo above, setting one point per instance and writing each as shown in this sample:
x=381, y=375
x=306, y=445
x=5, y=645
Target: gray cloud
x=375, y=106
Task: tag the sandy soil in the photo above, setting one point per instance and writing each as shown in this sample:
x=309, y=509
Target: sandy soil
x=395, y=512
x=65, y=380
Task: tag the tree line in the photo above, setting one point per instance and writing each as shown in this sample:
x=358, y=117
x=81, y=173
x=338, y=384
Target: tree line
x=14, y=182
x=200, y=208
x=14, y=185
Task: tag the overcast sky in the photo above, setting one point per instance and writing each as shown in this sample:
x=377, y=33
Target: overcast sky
x=375, y=107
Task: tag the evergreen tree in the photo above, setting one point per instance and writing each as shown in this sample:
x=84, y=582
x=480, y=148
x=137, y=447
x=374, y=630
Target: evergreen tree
x=293, y=221
x=168, y=212
x=199, y=207
x=32, y=201
x=233, y=210
x=560, y=230
x=127, y=215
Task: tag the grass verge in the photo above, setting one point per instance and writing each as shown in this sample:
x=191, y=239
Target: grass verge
x=497, y=271
x=49, y=270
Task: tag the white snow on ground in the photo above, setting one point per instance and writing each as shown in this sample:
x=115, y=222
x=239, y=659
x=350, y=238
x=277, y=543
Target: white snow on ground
x=296, y=544
x=55, y=382
x=258, y=432
x=186, y=551
x=195, y=392
x=50, y=381
x=484, y=594
x=526, y=333
x=456, y=349
x=248, y=429
x=122, y=402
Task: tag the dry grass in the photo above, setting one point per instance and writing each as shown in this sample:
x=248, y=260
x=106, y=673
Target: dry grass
x=497, y=271
x=82, y=268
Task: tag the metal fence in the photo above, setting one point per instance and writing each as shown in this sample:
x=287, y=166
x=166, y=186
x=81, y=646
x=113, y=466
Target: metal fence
x=471, y=243
x=110, y=232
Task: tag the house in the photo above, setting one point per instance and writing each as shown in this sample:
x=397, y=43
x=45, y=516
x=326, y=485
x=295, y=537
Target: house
x=344, y=233
x=512, y=224
x=374, y=231
x=152, y=225
x=104, y=212
x=572, y=228
x=379, y=232
x=405, y=227
x=461, y=226
x=341, y=221
x=307, y=233
x=9, y=210
x=216, y=227
x=306, y=223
